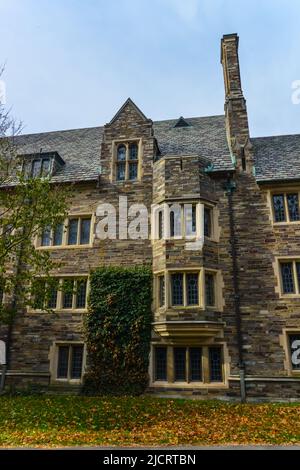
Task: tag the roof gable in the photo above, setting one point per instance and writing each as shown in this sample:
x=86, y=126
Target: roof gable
x=128, y=103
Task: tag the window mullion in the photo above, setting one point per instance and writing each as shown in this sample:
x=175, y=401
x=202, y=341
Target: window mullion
x=184, y=290
x=295, y=277
x=127, y=162
x=69, y=362
x=74, y=294
x=286, y=208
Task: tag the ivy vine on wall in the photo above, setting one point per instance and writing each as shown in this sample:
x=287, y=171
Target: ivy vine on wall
x=118, y=330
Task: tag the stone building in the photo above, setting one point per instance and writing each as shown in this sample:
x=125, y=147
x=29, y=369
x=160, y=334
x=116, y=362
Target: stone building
x=225, y=248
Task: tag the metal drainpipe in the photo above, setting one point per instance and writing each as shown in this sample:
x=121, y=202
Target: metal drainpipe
x=230, y=187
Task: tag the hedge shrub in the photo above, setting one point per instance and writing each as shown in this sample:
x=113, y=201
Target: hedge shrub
x=118, y=330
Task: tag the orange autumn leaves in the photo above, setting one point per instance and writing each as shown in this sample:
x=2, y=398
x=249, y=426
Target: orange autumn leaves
x=55, y=421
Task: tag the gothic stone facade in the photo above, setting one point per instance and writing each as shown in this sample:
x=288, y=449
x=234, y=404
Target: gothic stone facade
x=226, y=314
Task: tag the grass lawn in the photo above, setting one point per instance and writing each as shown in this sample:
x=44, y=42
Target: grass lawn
x=70, y=420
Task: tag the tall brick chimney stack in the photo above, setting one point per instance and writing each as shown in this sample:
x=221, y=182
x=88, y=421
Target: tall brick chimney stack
x=235, y=104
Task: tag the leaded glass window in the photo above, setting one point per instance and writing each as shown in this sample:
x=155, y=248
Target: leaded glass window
x=294, y=345
x=58, y=234
x=160, y=363
x=121, y=153
x=133, y=171
x=46, y=237
x=192, y=288
x=293, y=207
x=73, y=232
x=180, y=364
x=45, y=166
x=85, y=228
x=215, y=364
x=121, y=171
x=177, y=288
x=63, y=361
x=36, y=168
x=279, y=208
x=287, y=278
x=76, y=361
x=81, y=293
x=190, y=219
x=52, y=301
x=195, y=364
x=209, y=289
x=160, y=224
x=133, y=151
x=68, y=287
x=70, y=361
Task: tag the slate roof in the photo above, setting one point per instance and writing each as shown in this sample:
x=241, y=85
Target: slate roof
x=80, y=148
x=277, y=158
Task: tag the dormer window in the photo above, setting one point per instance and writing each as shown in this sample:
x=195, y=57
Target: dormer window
x=127, y=156
x=41, y=164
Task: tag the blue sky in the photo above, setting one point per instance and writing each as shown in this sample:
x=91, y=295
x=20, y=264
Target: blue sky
x=72, y=63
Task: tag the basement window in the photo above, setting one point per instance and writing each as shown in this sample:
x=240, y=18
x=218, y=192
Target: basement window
x=69, y=359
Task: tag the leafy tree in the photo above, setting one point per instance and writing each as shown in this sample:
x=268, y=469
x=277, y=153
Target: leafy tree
x=27, y=206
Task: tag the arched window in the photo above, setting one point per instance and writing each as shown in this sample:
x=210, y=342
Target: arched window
x=121, y=154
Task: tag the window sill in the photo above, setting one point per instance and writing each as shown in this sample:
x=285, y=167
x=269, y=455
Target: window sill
x=282, y=224
x=59, y=310
x=289, y=296
x=188, y=385
x=66, y=381
x=64, y=247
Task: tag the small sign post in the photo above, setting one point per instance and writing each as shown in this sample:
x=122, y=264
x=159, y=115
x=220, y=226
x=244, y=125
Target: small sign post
x=2, y=353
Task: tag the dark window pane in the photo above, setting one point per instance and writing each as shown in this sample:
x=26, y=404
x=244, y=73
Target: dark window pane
x=215, y=365
x=194, y=218
x=209, y=289
x=172, y=224
x=45, y=166
x=161, y=363
x=27, y=168
x=298, y=274
x=180, y=364
x=133, y=152
x=207, y=222
x=52, y=302
x=192, y=289
x=278, y=205
x=38, y=291
x=46, y=237
x=160, y=224
x=73, y=230
x=63, y=361
x=177, y=289
x=76, y=363
x=161, y=281
x=196, y=364
x=58, y=234
x=133, y=171
x=294, y=342
x=121, y=171
x=287, y=278
x=293, y=205
x=81, y=294
x=85, y=229
x=121, y=153
x=68, y=287
x=36, y=168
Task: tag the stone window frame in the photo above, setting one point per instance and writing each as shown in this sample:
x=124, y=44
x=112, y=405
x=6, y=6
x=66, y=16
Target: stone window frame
x=53, y=362
x=126, y=142
x=284, y=342
x=204, y=345
x=200, y=206
x=218, y=287
x=284, y=191
x=59, y=303
x=277, y=269
x=65, y=244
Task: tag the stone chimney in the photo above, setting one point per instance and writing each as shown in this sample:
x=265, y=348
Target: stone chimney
x=235, y=104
